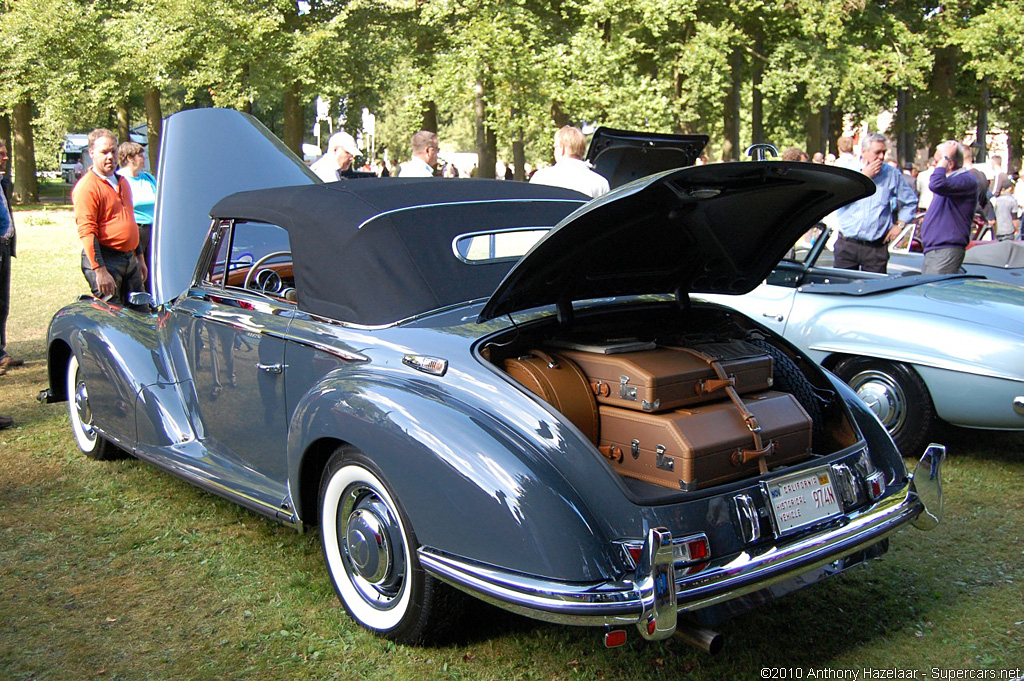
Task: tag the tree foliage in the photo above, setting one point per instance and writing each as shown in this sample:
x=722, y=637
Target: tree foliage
x=517, y=69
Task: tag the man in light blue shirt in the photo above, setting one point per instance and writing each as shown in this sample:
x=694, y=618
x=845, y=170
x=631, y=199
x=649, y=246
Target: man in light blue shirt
x=866, y=226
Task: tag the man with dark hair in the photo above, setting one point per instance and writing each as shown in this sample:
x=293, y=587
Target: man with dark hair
x=424, y=156
x=570, y=170
x=7, y=243
x=866, y=226
x=111, y=261
x=946, y=227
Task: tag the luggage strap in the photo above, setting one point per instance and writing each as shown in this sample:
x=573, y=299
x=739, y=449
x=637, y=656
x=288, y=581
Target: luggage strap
x=728, y=383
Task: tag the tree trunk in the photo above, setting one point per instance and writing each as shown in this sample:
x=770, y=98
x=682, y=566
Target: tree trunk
x=981, y=148
x=5, y=137
x=558, y=116
x=124, y=125
x=826, y=131
x=155, y=127
x=486, y=139
x=835, y=115
x=519, y=157
x=293, y=123
x=430, y=116
x=756, y=98
x=812, y=131
x=941, y=88
x=731, y=143
x=25, y=188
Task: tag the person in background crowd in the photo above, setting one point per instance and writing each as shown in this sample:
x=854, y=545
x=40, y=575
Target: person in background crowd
x=111, y=260
x=998, y=175
x=7, y=248
x=132, y=161
x=924, y=194
x=846, y=157
x=946, y=227
x=982, y=208
x=423, y=163
x=794, y=154
x=570, y=170
x=1005, y=207
x=866, y=226
x=336, y=163
x=818, y=157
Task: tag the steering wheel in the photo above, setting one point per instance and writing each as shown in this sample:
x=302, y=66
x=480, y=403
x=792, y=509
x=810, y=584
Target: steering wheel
x=255, y=271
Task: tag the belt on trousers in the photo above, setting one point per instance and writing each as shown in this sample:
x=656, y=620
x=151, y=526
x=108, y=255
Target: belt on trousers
x=108, y=249
x=864, y=242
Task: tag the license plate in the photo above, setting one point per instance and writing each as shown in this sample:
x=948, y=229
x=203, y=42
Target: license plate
x=803, y=499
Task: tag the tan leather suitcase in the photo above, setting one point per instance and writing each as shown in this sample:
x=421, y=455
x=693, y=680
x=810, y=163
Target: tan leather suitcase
x=668, y=378
x=703, y=446
x=560, y=383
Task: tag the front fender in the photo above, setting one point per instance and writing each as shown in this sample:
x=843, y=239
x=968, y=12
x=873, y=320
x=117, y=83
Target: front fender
x=472, y=485
x=918, y=338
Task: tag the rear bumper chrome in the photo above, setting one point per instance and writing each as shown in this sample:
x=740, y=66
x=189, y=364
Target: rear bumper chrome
x=644, y=599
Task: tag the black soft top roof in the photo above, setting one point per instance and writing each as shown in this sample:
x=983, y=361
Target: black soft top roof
x=377, y=251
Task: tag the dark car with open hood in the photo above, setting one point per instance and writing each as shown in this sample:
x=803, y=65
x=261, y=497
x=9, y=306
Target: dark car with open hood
x=493, y=388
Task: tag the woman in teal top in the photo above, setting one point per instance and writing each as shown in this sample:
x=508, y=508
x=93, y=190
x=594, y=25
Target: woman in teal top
x=143, y=185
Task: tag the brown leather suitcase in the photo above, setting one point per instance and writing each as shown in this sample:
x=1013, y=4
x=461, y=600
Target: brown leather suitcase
x=703, y=446
x=667, y=378
x=560, y=383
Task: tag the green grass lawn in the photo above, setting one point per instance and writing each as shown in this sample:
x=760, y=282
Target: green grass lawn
x=116, y=570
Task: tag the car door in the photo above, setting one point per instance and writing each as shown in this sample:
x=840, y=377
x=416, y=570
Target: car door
x=231, y=324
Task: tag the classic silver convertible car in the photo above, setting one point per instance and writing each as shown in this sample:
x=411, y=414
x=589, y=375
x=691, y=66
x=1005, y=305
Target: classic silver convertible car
x=917, y=348
x=380, y=359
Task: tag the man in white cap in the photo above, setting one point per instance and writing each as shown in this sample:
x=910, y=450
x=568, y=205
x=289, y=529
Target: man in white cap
x=336, y=164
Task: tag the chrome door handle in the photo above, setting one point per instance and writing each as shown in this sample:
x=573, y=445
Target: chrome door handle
x=271, y=368
x=772, y=316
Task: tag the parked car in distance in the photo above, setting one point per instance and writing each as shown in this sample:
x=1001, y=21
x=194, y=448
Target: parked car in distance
x=345, y=355
x=916, y=348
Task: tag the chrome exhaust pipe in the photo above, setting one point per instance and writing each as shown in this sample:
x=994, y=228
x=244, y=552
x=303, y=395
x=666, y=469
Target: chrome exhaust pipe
x=707, y=640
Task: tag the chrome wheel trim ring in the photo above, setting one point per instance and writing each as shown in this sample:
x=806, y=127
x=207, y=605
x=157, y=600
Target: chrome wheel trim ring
x=884, y=396
x=371, y=545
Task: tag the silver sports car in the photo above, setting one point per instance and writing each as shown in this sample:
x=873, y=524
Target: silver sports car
x=915, y=348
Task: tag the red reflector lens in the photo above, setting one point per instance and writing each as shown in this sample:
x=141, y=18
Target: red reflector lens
x=651, y=626
x=635, y=552
x=614, y=639
x=698, y=549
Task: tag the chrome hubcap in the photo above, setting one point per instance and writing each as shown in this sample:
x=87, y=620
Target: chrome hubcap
x=371, y=545
x=82, y=408
x=884, y=396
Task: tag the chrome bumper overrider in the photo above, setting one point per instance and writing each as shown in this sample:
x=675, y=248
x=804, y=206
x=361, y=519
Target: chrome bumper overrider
x=646, y=600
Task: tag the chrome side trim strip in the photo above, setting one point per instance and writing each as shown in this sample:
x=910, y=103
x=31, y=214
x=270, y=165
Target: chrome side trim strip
x=462, y=203
x=316, y=345
x=622, y=602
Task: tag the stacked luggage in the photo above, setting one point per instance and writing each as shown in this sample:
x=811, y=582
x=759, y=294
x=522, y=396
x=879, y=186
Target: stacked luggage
x=682, y=417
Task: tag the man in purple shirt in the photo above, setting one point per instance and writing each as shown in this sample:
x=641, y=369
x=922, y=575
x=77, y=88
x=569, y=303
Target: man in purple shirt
x=946, y=228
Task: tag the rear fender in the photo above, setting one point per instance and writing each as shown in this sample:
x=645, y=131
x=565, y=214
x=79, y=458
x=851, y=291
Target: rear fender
x=471, y=484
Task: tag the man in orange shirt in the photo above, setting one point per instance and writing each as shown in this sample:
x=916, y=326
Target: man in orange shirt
x=111, y=260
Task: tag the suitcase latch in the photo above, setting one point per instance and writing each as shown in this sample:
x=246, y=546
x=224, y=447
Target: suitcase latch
x=626, y=391
x=665, y=463
x=634, y=449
